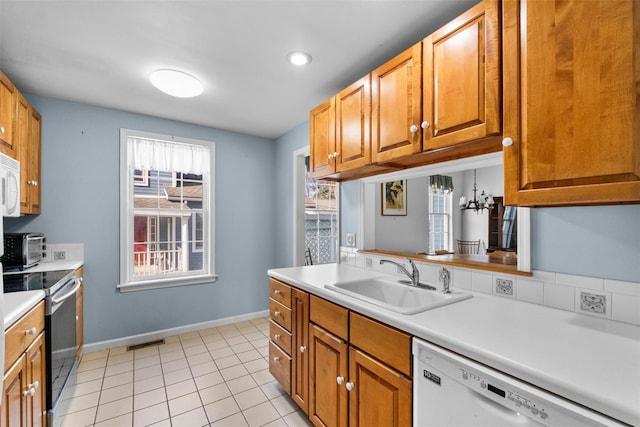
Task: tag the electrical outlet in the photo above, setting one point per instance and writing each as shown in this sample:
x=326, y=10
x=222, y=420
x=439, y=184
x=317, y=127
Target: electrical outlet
x=593, y=303
x=59, y=255
x=504, y=287
x=351, y=240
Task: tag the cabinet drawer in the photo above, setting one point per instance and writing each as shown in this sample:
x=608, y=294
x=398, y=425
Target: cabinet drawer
x=280, y=337
x=383, y=342
x=280, y=292
x=280, y=314
x=330, y=316
x=280, y=367
x=25, y=331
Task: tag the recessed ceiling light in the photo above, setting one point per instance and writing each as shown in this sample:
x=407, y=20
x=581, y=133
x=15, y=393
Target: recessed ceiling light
x=299, y=58
x=176, y=83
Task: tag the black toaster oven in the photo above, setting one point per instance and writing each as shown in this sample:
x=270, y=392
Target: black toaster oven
x=22, y=250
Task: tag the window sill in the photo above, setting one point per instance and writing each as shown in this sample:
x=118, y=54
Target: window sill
x=144, y=285
x=478, y=262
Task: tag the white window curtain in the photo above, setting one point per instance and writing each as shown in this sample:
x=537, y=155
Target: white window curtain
x=151, y=154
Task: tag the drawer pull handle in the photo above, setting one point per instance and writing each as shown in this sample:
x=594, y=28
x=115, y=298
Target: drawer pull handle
x=276, y=314
x=277, y=291
x=340, y=380
x=350, y=386
x=303, y=349
x=276, y=359
x=31, y=331
x=276, y=337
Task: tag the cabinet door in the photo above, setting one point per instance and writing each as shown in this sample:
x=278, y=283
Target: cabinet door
x=14, y=409
x=353, y=125
x=396, y=93
x=571, y=111
x=379, y=396
x=328, y=369
x=299, y=353
x=37, y=380
x=31, y=163
x=462, y=79
x=22, y=142
x=322, y=142
x=7, y=113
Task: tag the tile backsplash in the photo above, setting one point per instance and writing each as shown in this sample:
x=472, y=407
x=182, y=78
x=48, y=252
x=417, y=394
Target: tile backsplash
x=611, y=299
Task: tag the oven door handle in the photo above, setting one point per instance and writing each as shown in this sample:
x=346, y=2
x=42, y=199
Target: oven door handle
x=55, y=299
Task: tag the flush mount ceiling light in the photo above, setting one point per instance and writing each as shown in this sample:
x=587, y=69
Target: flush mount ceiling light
x=176, y=83
x=299, y=58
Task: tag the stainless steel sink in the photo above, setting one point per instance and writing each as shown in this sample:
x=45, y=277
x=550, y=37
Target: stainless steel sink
x=395, y=296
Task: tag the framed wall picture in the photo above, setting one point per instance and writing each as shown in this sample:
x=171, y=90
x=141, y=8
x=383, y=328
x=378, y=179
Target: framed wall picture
x=394, y=198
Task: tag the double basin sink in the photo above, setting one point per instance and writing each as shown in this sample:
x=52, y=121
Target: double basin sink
x=397, y=297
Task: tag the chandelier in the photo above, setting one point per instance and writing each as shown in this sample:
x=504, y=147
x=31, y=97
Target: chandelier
x=484, y=202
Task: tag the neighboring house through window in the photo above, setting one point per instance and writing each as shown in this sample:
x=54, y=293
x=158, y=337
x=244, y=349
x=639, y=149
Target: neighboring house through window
x=166, y=211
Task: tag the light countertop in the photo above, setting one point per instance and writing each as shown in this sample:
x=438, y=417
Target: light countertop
x=594, y=362
x=17, y=304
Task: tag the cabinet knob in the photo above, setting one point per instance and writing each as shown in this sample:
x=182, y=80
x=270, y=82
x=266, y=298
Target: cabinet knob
x=414, y=128
x=277, y=291
x=35, y=385
x=303, y=349
x=340, y=380
x=276, y=359
x=330, y=156
x=1, y=129
x=276, y=337
x=31, y=331
x=507, y=142
x=336, y=154
x=276, y=313
x=30, y=392
x=350, y=386
x=424, y=125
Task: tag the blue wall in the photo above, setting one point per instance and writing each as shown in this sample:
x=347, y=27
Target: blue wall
x=80, y=204
x=283, y=206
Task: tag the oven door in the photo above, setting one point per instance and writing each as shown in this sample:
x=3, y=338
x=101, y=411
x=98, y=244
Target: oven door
x=60, y=328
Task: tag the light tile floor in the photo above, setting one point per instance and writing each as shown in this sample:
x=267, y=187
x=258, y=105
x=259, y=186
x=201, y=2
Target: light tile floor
x=213, y=377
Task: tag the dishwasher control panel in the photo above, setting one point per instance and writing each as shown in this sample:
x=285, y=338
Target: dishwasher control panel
x=518, y=401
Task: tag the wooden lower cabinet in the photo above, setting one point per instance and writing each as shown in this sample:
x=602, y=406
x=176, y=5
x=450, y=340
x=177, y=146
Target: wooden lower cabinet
x=379, y=395
x=24, y=400
x=299, y=353
x=334, y=381
x=328, y=361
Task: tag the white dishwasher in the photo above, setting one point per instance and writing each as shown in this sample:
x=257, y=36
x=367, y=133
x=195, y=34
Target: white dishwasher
x=450, y=390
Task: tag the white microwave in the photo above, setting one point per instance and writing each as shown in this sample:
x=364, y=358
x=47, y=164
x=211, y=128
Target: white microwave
x=9, y=185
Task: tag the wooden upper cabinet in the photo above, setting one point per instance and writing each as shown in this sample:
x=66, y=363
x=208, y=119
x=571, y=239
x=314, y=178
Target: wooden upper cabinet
x=7, y=116
x=353, y=125
x=30, y=166
x=322, y=141
x=571, y=102
x=462, y=79
x=396, y=93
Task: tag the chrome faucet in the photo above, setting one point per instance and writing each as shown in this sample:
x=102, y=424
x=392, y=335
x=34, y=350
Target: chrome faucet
x=414, y=276
x=445, y=277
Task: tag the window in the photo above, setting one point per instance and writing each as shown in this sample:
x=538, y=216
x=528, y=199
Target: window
x=166, y=211
x=321, y=219
x=440, y=194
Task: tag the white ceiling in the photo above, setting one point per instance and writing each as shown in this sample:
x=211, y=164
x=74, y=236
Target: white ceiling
x=101, y=52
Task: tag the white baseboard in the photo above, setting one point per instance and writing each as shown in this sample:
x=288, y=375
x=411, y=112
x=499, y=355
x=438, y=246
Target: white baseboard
x=149, y=336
